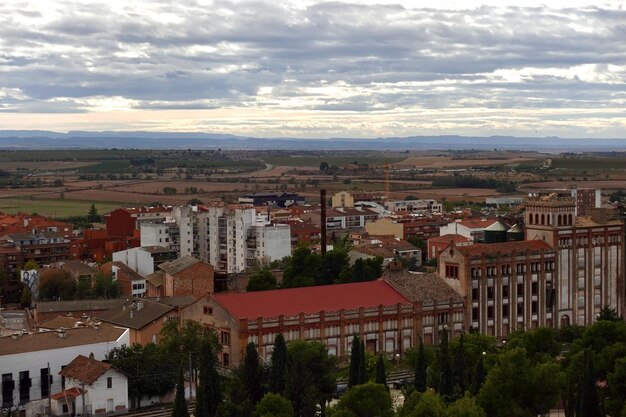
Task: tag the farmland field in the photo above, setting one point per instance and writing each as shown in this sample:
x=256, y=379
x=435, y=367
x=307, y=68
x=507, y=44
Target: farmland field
x=54, y=208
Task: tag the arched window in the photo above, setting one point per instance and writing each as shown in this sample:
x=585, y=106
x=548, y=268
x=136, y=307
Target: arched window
x=564, y=321
x=560, y=219
x=536, y=218
x=570, y=220
x=543, y=219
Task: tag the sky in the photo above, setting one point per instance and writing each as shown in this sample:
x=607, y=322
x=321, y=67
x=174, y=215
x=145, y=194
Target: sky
x=310, y=69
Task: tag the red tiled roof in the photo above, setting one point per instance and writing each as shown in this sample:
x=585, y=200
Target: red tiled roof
x=505, y=247
x=448, y=238
x=71, y=392
x=293, y=301
x=477, y=223
x=85, y=369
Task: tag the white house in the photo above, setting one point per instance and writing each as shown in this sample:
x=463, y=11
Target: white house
x=473, y=229
x=92, y=387
x=30, y=362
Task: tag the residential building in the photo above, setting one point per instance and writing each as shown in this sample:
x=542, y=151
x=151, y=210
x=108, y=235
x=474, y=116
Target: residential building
x=85, y=309
x=145, y=260
x=186, y=276
x=92, y=388
x=30, y=362
x=267, y=243
x=342, y=199
x=414, y=206
x=437, y=244
x=342, y=218
x=473, y=229
x=143, y=318
x=131, y=283
x=125, y=221
x=282, y=199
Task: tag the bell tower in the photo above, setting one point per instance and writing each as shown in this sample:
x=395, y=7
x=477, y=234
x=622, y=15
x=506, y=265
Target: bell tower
x=545, y=215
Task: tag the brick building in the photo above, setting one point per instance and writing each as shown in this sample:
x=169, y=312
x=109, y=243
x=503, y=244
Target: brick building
x=507, y=286
x=388, y=321
x=183, y=276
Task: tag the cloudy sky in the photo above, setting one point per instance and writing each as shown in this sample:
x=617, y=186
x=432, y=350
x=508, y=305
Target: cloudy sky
x=315, y=69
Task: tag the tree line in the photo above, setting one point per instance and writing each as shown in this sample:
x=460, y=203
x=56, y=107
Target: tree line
x=472, y=375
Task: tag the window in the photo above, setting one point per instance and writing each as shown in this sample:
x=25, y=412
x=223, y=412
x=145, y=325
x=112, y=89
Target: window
x=225, y=338
x=533, y=307
x=24, y=386
x=7, y=390
x=208, y=311
x=452, y=271
x=505, y=310
x=490, y=293
x=62, y=379
x=505, y=291
x=490, y=312
x=44, y=382
x=520, y=309
x=475, y=314
x=520, y=290
x=109, y=382
x=474, y=293
x=534, y=288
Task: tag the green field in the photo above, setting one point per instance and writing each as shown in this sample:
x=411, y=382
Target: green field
x=315, y=161
x=54, y=208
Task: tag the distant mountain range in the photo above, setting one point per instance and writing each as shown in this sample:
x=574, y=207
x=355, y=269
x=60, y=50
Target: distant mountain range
x=41, y=139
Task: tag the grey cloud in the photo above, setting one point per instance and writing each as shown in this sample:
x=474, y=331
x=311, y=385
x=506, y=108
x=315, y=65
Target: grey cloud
x=97, y=51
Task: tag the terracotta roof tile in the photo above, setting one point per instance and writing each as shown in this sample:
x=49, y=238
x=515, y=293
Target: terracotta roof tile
x=478, y=249
x=71, y=392
x=85, y=369
x=420, y=287
x=307, y=300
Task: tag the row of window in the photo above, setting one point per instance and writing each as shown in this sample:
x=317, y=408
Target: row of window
x=534, y=308
x=534, y=290
x=520, y=268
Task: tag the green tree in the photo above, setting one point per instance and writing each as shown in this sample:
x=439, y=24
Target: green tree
x=355, y=362
x=465, y=406
x=209, y=393
x=180, y=403
x=302, y=269
x=310, y=380
x=381, y=375
x=420, y=369
x=181, y=342
x=540, y=344
x=446, y=378
x=362, y=374
x=56, y=284
x=616, y=402
x=423, y=404
x=141, y=364
x=517, y=387
x=278, y=366
x=366, y=400
x=588, y=404
x=26, y=298
x=252, y=374
x=262, y=280
x=460, y=373
x=479, y=376
x=30, y=265
x=93, y=216
x=273, y=405
x=608, y=314
x=106, y=286
x=332, y=265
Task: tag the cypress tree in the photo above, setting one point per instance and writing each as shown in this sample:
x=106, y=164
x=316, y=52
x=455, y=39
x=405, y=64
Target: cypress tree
x=445, y=380
x=420, y=369
x=362, y=368
x=252, y=374
x=459, y=365
x=588, y=403
x=278, y=366
x=355, y=361
x=479, y=376
x=381, y=375
x=180, y=403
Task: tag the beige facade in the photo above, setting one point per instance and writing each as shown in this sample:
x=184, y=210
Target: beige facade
x=385, y=227
x=589, y=253
x=342, y=199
